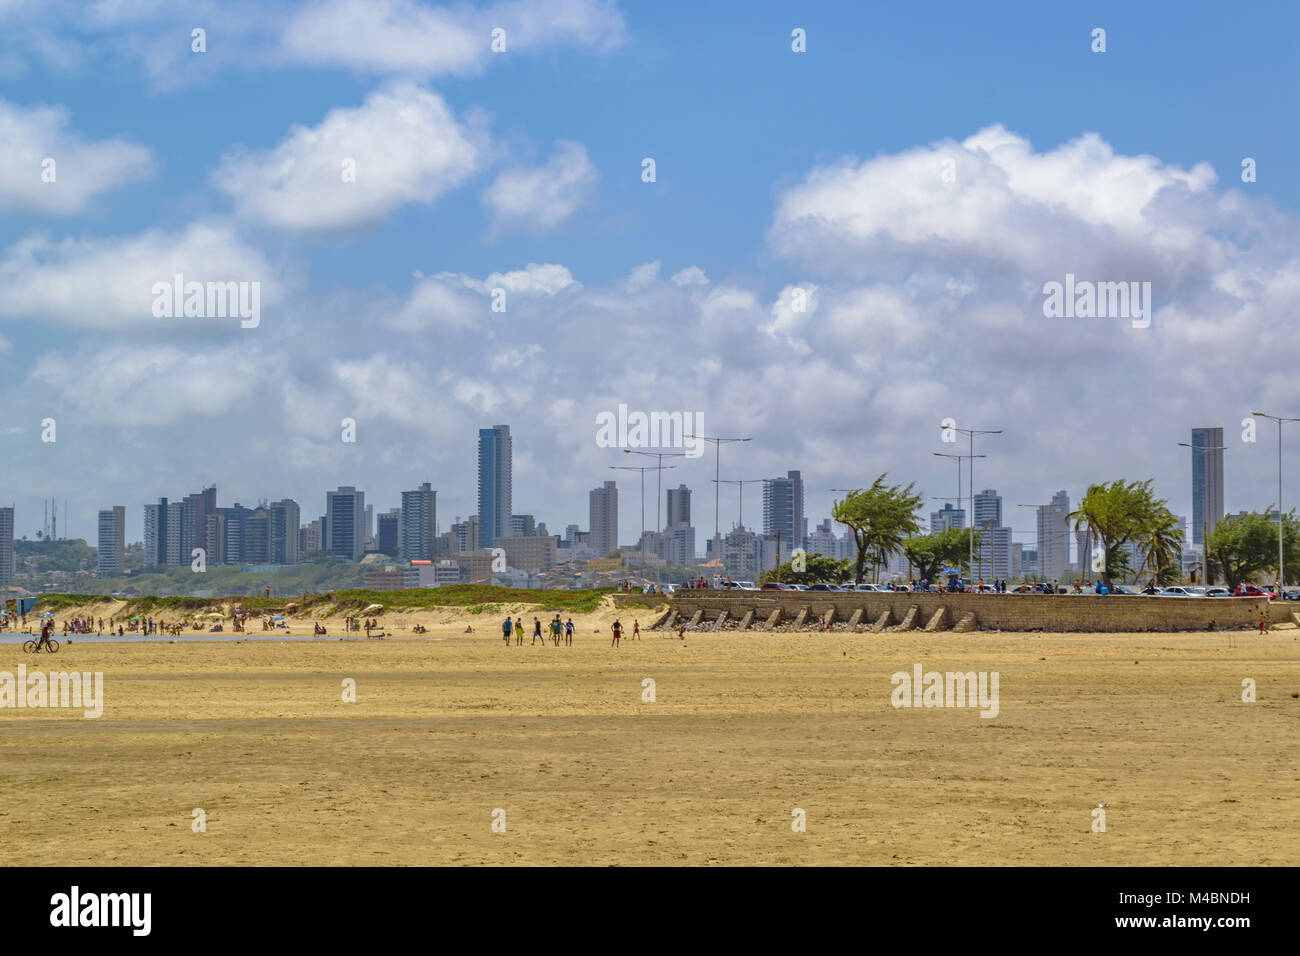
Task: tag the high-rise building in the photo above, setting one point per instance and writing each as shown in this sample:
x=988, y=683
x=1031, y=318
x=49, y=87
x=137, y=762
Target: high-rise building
x=522, y=526
x=947, y=517
x=172, y=551
x=419, y=523
x=197, y=507
x=216, y=537
x=603, y=518
x=388, y=532
x=257, y=544
x=495, y=483
x=679, y=506
x=312, y=537
x=988, y=509
x=994, y=555
x=6, y=547
x=370, y=522
x=112, y=541
x=783, y=511
x=155, y=534
x=1207, y=481
x=345, y=522
x=677, y=545
x=1054, y=537
x=285, y=516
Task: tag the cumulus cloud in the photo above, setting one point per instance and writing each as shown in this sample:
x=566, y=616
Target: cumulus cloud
x=541, y=198
x=50, y=169
x=109, y=282
x=402, y=145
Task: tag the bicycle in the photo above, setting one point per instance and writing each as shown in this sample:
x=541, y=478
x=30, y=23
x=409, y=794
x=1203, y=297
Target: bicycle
x=34, y=647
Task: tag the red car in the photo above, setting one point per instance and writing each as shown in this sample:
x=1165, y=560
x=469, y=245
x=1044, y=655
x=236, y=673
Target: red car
x=1253, y=590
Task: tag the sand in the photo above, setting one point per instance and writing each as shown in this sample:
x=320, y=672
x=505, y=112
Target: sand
x=745, y=729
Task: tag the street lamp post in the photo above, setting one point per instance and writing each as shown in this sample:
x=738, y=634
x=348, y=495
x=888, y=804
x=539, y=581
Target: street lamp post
x=1205, y=530
x=741, y=483
x=959, y=458
x=1281, y=579
x=717, y=474
x=643, y=469
x=971, y=433
x=659, y=491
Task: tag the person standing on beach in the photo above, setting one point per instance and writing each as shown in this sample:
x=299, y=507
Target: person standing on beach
x=636, y=629
x=505, y=630
x=537, y=632
x=568, y=632
x=618, y=632
x=519, y=632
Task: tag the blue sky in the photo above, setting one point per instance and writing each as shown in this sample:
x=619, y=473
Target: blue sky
x=738, y=125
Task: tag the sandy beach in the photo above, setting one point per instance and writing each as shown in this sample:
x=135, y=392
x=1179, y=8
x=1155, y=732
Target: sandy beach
x=745, y=728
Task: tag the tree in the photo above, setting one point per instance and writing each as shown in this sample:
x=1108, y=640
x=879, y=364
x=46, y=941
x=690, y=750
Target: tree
x=1241, y=548
x=1160, y=540
x=880, y=517
x=1116, y=514
x=816, y=568
x=931, y=553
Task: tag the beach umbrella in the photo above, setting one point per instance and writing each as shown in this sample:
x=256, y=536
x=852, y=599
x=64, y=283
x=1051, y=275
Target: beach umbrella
x=372, y=607
x=951, y=571
x=278, y=617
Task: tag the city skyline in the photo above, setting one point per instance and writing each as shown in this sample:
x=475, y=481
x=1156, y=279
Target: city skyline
x=835, y=269
x=185, y=521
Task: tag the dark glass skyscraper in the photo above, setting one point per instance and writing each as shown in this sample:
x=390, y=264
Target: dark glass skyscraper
x=495, y=484
x=1207, y=481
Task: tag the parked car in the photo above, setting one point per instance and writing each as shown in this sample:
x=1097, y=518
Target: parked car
x=825, y=587
x=1253, y=590
x=798, y=587
x=1291, y=594
x=1217, y=592
x=775, y=586
x=1177, y=590
x=747, y=585
x=1121, y=589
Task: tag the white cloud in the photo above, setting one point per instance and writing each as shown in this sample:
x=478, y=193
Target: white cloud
x=691, y=275
x=408, y=38
x=81, y=170
x=539, y=199
x=108, y=282
x=403, y=144
x=421, y=39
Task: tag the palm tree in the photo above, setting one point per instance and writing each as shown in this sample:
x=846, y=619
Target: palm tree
x=1161, y=543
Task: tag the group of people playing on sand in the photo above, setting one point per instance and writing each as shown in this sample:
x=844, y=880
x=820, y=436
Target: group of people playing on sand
x=558, y=630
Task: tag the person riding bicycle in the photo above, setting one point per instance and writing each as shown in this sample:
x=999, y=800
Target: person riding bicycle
x=46, y=627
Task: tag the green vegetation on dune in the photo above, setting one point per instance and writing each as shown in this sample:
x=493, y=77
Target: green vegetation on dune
x=472, y=598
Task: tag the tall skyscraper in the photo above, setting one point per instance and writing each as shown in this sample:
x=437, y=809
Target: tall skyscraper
x=172, y=551
x=345, y=522
x=495, y=484
x=197, y=508
x=1054, y=537
x=603, y=508
x=6, y=547
x=388, y=540
x=947, y=517
x=679, y=506
x=995, y=552
x=419, y=523
x=783, y=511
x=988, y=509
x=285, y=516
x=112, y=541
x=155, y=534
x=257, y=543
x=1207, y=481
